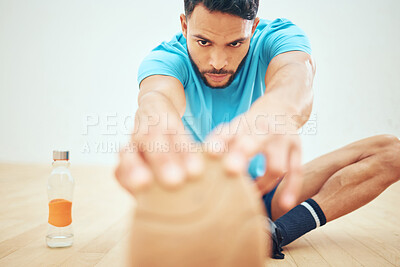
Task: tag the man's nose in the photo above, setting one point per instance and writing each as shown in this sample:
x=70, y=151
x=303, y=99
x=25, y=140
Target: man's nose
x=218, y=59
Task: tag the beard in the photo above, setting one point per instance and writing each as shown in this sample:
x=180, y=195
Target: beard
x=215, y=71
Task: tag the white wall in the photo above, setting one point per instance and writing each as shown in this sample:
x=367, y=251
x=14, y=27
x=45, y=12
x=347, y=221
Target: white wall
x=66, y=64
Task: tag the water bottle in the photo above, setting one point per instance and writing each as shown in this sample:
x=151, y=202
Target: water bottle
x=60, y=189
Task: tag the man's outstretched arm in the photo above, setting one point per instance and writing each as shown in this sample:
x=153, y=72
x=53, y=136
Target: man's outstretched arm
x=269, y=127
x=158, y=128
x=288, y=92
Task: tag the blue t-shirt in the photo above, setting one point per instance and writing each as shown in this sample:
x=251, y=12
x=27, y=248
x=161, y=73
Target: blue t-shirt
x=206, y=107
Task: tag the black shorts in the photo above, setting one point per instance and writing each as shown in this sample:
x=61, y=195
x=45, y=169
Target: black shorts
x=267, y=198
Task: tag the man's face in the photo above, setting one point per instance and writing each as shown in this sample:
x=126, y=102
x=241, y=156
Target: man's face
x=217, y=43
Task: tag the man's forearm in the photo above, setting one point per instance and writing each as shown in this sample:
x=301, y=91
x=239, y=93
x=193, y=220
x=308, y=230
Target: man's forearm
x=155, y=109
x=288, y=97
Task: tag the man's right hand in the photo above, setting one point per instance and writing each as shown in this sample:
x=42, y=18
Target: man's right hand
x=155, y=154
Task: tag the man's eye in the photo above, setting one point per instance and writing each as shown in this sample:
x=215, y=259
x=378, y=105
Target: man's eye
x=202, y=42
x=235, y=44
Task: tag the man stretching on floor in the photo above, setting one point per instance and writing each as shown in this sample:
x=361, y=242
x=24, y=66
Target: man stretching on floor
x=231, y=78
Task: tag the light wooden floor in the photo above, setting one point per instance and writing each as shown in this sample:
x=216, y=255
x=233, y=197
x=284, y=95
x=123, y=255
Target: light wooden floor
x=102, y=214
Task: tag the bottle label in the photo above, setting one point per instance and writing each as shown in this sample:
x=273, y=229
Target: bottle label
x=60, y=212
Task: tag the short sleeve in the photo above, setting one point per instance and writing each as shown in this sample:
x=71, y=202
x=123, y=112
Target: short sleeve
x=163, y=62
x=281, y=36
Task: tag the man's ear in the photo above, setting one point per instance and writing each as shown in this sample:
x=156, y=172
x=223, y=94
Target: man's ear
x=183, y=25
x=255, y=24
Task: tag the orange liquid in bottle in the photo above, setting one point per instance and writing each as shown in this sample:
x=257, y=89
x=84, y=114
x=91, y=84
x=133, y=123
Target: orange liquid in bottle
x=60, y=212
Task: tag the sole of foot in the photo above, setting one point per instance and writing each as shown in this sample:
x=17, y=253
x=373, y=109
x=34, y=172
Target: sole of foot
x=215, y=220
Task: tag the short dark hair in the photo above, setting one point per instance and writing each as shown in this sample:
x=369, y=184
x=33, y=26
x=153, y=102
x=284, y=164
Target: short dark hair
x=246, y=9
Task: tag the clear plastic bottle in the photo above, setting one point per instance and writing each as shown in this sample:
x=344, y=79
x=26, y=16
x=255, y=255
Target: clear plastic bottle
x=60, y=189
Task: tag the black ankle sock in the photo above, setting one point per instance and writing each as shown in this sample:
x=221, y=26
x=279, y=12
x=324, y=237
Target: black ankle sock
x=300, y=220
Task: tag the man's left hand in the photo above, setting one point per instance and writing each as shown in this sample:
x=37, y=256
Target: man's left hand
x=248, y=135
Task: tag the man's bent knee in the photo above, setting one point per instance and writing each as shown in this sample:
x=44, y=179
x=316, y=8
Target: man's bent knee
x=388, y=154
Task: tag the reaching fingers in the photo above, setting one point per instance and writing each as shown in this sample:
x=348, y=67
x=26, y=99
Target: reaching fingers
x=240, y=151
x=293, y=178
x=132, y=172
x=160, y=156
x=188, y=152
x=219, y=139
x=277, y=156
